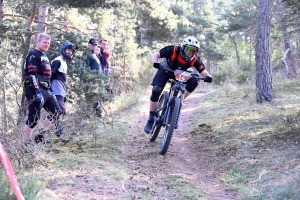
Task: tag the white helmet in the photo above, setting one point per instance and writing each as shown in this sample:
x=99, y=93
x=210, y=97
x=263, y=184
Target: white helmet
x=189, y=44
x=190, y=41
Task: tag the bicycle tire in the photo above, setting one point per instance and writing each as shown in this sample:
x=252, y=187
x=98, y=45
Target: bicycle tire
x=163, y=100
x=171, y=123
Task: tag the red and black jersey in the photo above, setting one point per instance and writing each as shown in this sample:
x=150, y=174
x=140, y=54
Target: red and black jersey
x=171, y=53
x=37, y=63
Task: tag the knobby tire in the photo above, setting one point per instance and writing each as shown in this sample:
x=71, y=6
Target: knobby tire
x=170, y=126
x=163, y=100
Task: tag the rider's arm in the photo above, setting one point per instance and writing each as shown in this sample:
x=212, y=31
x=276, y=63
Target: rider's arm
x=155, y=57
x=165, y=52
x=205, y=73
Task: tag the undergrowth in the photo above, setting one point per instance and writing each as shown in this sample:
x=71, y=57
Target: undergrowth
x=258, y=144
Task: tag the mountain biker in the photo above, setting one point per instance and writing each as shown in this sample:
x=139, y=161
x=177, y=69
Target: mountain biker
x=37, y=87
x=176, y=57
x=58, y=79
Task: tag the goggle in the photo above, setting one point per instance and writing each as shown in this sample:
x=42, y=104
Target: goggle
x=190, y=50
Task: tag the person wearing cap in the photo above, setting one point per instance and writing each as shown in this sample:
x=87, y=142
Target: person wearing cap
x=92, y=60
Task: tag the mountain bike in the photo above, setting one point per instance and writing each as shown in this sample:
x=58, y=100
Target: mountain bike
x=169, y=107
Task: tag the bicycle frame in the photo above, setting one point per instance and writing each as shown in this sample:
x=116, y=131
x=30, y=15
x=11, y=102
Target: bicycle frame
x=175, y=89
x=169, y=108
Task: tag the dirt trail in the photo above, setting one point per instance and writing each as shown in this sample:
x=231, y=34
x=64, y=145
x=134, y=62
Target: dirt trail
x=149, y=171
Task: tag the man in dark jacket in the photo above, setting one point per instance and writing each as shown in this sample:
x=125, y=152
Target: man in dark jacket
x=37, y=85
x=92, y=60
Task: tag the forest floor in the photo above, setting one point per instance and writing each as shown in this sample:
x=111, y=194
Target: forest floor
x=226, y=147
x=189, y=170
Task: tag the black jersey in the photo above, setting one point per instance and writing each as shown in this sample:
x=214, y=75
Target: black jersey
x=169, y=52
x=37, y=63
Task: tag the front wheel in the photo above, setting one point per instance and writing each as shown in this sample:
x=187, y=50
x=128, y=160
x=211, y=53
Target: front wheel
x=162, y=103
x=170, y=126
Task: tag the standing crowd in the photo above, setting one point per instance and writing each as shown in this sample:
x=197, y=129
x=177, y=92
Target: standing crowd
x=45, y=83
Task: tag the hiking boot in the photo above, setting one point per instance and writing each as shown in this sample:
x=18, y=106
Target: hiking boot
x=98, y=113
x=28, y=146
x=40, y=138
x=97, y=105
x=149, y=125
x=60, y=135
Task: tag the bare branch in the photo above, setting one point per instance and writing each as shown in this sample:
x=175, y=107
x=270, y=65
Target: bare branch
x=52, y=24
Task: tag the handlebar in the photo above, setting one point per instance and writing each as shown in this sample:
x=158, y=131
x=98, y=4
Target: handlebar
x=195, y=76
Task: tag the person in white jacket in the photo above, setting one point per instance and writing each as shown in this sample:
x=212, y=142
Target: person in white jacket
x=59, y=69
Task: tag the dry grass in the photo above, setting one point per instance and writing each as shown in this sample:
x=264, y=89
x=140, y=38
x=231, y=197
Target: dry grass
x=257, y=143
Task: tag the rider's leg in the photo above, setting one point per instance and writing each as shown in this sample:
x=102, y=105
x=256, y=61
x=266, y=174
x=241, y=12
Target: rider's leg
x=186, y=94
x=190, y=87
x=159, y=82
x=153, y=106
x=156, y=91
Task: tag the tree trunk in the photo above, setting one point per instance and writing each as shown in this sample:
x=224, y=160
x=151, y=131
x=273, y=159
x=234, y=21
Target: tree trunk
x=298, y=49
x=4, y=104
x=289, y=57
x=24, y=50
x=208, y=63
x=251, y=41
x=42, y=17
x=236, y=51
x=263, y=55
x=1, y=10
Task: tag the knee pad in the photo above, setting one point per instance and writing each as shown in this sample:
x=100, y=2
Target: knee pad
x=191, y=85
x=156, y=91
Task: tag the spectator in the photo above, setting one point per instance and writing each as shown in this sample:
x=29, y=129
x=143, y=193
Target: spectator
x=92, y=60
x=104, y=55
x=37, y=86
x=58, y=83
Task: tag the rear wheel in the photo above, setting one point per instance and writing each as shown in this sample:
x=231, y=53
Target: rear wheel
x=163, y=100
x=170, y=126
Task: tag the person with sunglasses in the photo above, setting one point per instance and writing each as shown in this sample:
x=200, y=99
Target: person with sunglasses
x=175, y=57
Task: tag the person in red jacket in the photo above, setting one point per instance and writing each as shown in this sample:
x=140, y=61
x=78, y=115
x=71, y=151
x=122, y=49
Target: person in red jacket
x=104, y=55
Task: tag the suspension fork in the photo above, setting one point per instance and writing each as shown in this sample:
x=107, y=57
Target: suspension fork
x=175, y=89
x=181, y=103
